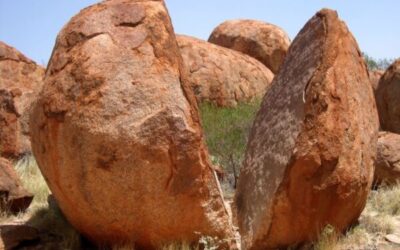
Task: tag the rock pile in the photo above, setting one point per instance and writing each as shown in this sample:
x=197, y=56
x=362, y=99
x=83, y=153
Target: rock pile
x=116, y=131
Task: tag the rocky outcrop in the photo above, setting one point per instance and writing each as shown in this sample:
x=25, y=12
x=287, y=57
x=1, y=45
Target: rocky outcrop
x=374, y=77
x=222, y=76
x=266, y=42
x=387, y=167
x=310, y=155
x=387, y=99
x=20, y=82
x=13, y=197
x=116, y=131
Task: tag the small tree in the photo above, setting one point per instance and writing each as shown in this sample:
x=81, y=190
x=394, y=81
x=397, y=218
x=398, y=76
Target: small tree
x=373, y=64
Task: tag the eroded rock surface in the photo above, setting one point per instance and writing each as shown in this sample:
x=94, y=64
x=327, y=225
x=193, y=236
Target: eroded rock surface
x=222, y=76
x=388, y=99
x=266, y=42
x=20, y=82
x=13, y=197
x=310, y=156
x=374, y=77
x=116, y=131
x=387, y=167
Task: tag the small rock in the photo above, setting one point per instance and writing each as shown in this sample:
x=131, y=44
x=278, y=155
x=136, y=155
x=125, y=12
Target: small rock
x=393, y=238
x=12, y=236
x=387, y=165
x=13, y=197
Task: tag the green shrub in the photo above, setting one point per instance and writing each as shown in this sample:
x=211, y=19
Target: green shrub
x=374, y=64
x=226, y=131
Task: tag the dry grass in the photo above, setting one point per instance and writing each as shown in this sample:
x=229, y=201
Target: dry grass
x=377, y=220
x=205, y=243
x=46, y=218
x=178, y=246
x=33, y=180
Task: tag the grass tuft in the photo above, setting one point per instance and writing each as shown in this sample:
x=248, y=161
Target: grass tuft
x=40, y=215
x=377, y=220
x=32, y=180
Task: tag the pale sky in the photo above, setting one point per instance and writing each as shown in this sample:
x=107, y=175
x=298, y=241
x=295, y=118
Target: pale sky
x=31, y=26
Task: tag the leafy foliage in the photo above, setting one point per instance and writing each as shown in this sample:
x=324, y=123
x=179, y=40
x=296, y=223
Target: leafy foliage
x=377, y=64
x=226, y=131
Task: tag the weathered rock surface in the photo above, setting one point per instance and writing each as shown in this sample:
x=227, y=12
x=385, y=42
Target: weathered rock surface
x=222, y=76
x=387, y=99
x=15, y=236
x=374, y=77
x=116, y=131
x=20, y=81
x=13, y=197
x=266, y=42
x=310, y=156
x=387, y=167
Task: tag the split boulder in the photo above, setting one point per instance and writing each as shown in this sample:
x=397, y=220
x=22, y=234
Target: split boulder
x=310, y=157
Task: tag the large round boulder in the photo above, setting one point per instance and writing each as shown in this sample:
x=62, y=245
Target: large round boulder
x=388, y=99
x=310, y=157
x=222, y=76
x=387, y=167
x=20, y=82
x=116, y=131
x=266, y=42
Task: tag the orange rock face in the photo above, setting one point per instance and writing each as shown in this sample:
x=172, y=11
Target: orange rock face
x=388, y=99
x=265, y=42
x=116, y=131
x=310, y=156
x=222, y=76
x=374, y=77
x=13, y=197
x=20, y=82
x=387, y=167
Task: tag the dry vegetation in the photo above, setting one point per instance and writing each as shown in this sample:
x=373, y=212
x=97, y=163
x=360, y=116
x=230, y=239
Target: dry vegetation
x=380, y=218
